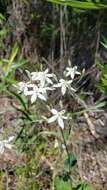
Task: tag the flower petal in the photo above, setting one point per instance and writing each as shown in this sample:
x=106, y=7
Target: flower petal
x=50, y=75
x=1, y=148
x=57, y=85
x=42, y=82
x=64, y=117
x=27, y=92
x=60, y=122
x=10, y=138
x=46, y=71
x=33, y=98
x=78, y=73
x=34, y=75
x=72, y=89
x=54, y=111
x=41, y=96
x=70, y=81
x=63, y=90
x=49, y=80
x=52, y=119
x=72, y=75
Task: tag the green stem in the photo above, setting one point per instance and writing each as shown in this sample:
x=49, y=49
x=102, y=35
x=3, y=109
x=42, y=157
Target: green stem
x=67, y=151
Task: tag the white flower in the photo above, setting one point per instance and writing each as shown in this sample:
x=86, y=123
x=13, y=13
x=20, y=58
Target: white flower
x=35, y=92
x=72, y=71
x=22, y=86
x=64, y=84
x=58, y=116
x=6, y=144
x=43, y=77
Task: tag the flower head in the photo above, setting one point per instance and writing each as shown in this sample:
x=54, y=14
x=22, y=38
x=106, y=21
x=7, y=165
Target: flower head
x=22, y=86
x=64, y=84
x=44, y=77
x=59, y=117
x=72, y=71
x=6, y=144
x=36, y=92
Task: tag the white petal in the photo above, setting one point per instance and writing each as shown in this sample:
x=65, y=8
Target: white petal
x=72, y=89
x=62, y=80
x=10, y=138
x=78, y=73
x=27, y=92
x=33, y=98
x=55, y=77
x=70, y=81
x=50, y=75
x=31, y=85
x=60, y=122
x=41, y=96
x=46, y=71
x=44, y=94
x=49, y=81
x=38, y=76
x=64, y=117
x=75, y=68
x=50, y=88
x=52, y=119
x=57, y=85
x=1, y=147
x=72, y=75
x=63, y=90
x=67, y=68
x=42, y=82
x=34, y=75
x=67, y=74
x=54, y=111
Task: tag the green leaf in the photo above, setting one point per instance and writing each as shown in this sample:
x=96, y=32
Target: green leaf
x=24, y=105
x=3, y=32
x=70, y=162
x=104, y=81
x=80, y=5
x=62, y=185
x=100, y=104
x=99, y=65
x=104, y=45
x=19, y=64
x=13, y=54
x=2, y=18
x=83, y=186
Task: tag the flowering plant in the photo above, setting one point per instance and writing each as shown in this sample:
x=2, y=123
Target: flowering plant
x=41, y=82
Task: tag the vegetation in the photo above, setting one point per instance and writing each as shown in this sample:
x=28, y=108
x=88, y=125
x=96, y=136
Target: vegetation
x=53, y=88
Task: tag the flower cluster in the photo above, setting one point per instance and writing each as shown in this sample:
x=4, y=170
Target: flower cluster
x=38, y=85
x=41, y=82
